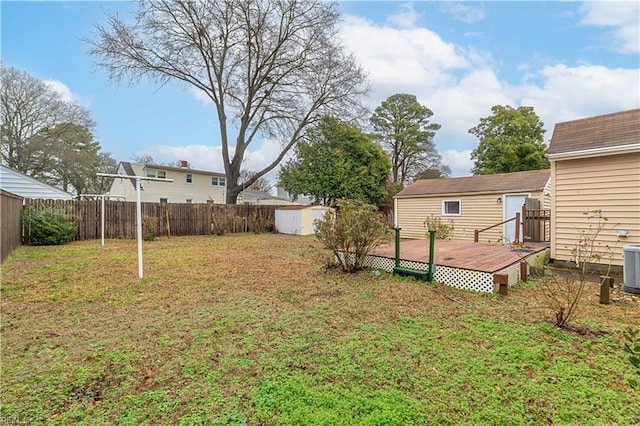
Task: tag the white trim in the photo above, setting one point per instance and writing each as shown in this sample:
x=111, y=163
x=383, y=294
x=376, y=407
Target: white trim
x=452, y=201
x=596, y=152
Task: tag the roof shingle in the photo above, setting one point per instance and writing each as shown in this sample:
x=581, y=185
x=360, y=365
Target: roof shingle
x=602, y=131
x=532, y=180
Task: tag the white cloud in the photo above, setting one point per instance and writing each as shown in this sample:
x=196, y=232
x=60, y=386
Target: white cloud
x=568, y=93
x=66, y=94
x=414, y=59
x=459, y=161
x=407, y=17
x=465, y=12
x=459, y=84
x=622, y=16
x=199, y=95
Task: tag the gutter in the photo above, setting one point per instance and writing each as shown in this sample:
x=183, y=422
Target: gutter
x=595, y=152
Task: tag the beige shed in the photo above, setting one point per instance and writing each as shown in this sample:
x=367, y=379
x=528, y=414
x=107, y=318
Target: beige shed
x=298, y=219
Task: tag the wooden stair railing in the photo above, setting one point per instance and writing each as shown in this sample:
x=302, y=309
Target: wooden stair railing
x=476, y=232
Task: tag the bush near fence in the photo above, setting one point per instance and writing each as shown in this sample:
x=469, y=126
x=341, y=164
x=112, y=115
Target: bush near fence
x=170, y=219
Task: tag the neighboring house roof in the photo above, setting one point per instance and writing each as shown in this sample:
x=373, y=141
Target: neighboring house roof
x=129, y=171
x=254, y=194
x=603, y=133
x=182, y=169
x=300, y=207
x=533, y=180
x=25, y=186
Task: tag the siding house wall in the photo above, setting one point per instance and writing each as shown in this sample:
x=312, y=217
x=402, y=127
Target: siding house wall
x=477, y=211
x=200, y=190
x=608, y=183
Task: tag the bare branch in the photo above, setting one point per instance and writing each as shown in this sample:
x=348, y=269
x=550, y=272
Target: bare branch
x=273, y=65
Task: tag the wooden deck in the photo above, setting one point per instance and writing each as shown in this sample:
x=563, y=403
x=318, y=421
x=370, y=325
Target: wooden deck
x=482, y=257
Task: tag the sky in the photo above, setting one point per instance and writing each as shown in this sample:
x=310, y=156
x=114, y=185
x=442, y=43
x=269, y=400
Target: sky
x=568, y=60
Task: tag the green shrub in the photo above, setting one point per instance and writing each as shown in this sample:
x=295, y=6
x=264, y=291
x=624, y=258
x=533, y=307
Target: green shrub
x=443, y=229
x=48, y=226
x=352, y=232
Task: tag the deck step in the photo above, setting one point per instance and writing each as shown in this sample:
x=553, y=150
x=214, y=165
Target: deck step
x=422, y=275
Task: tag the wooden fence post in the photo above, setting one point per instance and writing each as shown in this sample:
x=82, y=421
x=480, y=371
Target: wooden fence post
x=524, y=271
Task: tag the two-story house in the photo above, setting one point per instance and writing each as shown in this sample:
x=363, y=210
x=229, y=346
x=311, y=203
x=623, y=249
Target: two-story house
x=188, y=186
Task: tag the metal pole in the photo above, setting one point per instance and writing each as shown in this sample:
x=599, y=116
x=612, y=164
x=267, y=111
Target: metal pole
x=139, y=226
x=102, y=220
x=432, y=239
x=138, y=208
x=397, y=247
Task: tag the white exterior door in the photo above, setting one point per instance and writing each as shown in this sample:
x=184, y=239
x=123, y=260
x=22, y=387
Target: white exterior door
x=512, y=205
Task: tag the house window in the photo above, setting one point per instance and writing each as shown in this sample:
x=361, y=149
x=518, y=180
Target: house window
x=217, y=181
x=451, y=208
x=189, y=200
x=164, y=200
x=153, y=173
x=189, y=178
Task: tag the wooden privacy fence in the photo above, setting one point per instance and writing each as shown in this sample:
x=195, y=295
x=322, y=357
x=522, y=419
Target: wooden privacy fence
x=165, y=219
x=11, y=230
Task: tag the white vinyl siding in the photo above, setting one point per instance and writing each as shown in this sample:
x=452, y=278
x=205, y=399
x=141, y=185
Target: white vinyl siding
x=199, y=190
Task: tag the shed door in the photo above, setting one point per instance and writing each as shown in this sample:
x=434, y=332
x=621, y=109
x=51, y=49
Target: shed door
x=512, y=205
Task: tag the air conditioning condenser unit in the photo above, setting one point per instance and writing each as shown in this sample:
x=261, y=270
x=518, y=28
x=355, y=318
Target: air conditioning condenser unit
x=631, y=271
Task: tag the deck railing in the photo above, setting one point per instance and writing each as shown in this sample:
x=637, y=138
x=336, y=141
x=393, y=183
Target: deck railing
x=476, y=233
x=536, y=225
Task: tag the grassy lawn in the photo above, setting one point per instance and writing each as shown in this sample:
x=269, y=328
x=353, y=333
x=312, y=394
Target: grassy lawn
x=252, y=329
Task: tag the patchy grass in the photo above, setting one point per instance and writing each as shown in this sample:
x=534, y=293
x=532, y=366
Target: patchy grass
x=251, y=329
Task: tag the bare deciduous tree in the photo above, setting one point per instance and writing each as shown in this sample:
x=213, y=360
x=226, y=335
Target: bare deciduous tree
x=30, y=112
x=259, y=184
x=270, y=67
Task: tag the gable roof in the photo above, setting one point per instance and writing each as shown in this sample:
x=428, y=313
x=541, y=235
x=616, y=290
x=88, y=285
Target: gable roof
x=25, y=186
x=532, y=180
x=602, y=132
x=129, y=171
x=177, y=169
